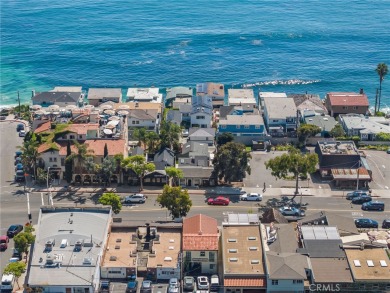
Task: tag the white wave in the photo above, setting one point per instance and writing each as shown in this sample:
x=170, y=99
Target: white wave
x=143, y=62
x=256, y=42
x=281, y=82
x=171, y=52
x=185, y=43
x=182, y=52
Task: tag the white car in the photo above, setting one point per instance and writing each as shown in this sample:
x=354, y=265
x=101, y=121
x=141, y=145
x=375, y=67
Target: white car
x=203, y=283
x=252, y=196
x=291, y=211
x=22, y=133
x=135, y=198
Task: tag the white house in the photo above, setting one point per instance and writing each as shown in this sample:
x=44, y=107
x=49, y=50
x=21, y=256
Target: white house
x=202, y=112
x=150, y=119
x=146, y=95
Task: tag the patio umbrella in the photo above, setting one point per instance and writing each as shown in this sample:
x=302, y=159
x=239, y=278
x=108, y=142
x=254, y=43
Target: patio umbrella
x=70, y=107
x=114, y=118
x=36, y=107
x=109, y=112
x=107, y=131
x=53, y=108
x=122, y=112
x=89, y=107
x=40, y=112
x=106, y=107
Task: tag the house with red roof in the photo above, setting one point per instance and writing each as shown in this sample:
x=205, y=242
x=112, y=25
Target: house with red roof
x=346, y=102
x=200, y=244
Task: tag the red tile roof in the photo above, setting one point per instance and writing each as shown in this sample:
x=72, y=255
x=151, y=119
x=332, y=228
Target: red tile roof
x=244, y=282
x=82, y=128
x=349, y=99
x=200, y=232
x=63, y=149
x=45, y=147
x=43, y=127
x=97, y=146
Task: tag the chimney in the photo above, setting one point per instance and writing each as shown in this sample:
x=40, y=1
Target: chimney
x=200, y=232
x=361, y=91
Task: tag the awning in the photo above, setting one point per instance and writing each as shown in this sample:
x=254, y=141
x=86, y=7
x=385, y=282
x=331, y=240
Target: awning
x=244, y=282
x=350, y=174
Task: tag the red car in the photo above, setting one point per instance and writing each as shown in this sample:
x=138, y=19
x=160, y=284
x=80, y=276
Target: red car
x=4, y=242
x=219, y=200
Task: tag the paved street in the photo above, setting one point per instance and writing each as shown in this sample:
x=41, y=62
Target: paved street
x=13, y=200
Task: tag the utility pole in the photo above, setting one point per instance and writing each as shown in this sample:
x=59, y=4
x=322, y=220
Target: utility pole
x=376, y=101
x=357, y=182
x=19, y=104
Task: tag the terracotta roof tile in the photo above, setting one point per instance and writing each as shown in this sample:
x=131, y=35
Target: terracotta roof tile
x=82, y=128
x=200, y=232
x=45, y=147
x=97, y=146
x=350, y=99
x=244, y=282
x=43, y=127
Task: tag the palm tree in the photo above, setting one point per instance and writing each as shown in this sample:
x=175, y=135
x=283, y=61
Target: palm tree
x=170, y=134
x=382, y=70
x=152, y=141
x=140, y=135
x=30, y=155
x=108, y=168
x=80, y=155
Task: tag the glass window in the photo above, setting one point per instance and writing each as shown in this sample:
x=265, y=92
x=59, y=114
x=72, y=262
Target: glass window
x=275, y=282
x=212, y=256
x=202, y=253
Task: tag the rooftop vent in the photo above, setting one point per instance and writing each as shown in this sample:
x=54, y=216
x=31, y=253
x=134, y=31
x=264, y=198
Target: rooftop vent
x=232, y=240
x=112, y=258
x=255, y=261
x=253, y=248
x=87, y=261
x=167, y=258
x=252, y=238
x=233, y=259
x=233, y=250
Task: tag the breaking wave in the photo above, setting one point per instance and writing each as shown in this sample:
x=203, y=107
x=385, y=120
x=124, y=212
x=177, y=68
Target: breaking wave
x=281, y=82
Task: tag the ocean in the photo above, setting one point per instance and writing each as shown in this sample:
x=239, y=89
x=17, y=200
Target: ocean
x=289, y=46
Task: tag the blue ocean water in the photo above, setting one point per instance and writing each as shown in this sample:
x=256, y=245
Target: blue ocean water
x=291, y=46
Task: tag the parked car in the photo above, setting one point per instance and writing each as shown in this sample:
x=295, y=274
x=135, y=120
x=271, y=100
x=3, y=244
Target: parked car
x=14, y=230
x=184, y=132
x=291, y=211
x=189, y=283
x=203, y=283
x=18, y=160
x=135, y=198
x=366, y=223
x=356, y=193
x=22, y=133
x=173, y=289
x=146, y=286
x=19, y=176
x=251, y=196
x=219, y=200
x=214, y=283
x=16, y=253
x=386, y=224
x=104, y=286
x=19, y=127
x=18, y=154
x=361, y=199
x=132, y=286
x=373, y=206
x=4, y=239
x=388, y=151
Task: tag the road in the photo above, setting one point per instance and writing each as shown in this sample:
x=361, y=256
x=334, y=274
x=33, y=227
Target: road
x=13, y=200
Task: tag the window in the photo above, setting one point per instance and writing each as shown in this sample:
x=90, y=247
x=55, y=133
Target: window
x=188, y=255
x=223, y=126
x=136, y=122
x=212, y=266
x=62, y=161
x=246, y=126
x=54, y=159
x=80, y=136
x=132, y=122
x=233, y=250
x=297, y=281
x=345, y=107
x=355, y=107
x=257, y=126
x=202, y=253
x=71, y=137
x=275, y=120
x=238, y=126
x=50, y=159
x=252, y=238
x=200, y=117
x=232, y=240
x=275, y=282
x=211, y=256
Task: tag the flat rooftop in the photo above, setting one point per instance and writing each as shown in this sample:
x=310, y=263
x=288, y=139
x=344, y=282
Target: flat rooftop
x=241, y=96
x=338, y=148
x=119, y=248
x=369, y=264
x=167, y=249
x=242, y=250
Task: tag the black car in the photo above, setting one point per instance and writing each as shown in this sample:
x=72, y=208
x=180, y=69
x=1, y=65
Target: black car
x=366, y=223
x=386, y=224
x=361, y=199
x=13, y=230
x=356, y=193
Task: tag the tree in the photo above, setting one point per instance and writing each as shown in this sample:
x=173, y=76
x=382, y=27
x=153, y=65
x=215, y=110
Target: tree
x=139, y=165
x=113, y=200
x=382, y=136
x=80, y=155
x=152, y=141
x=170, y=135
x=224, y=138
x=30, y=155
x=140, y=135
x=68, y=164
x=382, y=71
x=174, y=174
x=23, y=240
x=307, y=130
x=293, y=162
x=41, y=176
x=231, y=162
x=108, y=168
x=105, y=151
x=16, y=269
x=337, y=131
x=176, y=200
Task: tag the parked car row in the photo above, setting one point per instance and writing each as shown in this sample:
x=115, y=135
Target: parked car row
x=19, y=172
x=365, y=199
x=369, y=223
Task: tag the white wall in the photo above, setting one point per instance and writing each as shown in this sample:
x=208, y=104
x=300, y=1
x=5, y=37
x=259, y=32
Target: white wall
x=55, y=159
x=167, y=273
x=285, y=286
x=195, y=257
x=141, y=123
x=105, y=273
x=205, y=121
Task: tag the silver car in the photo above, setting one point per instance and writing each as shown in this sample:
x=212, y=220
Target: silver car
x=203, y=283
x=135, y=198
x=252, y=196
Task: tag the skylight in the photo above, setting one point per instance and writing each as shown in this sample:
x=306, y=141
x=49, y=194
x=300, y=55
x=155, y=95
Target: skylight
x=357, y=263
x=383, y=263
x=370, y=263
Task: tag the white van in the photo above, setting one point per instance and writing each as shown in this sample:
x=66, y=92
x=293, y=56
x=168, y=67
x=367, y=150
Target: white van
x=7, y=282
x=214, y=283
